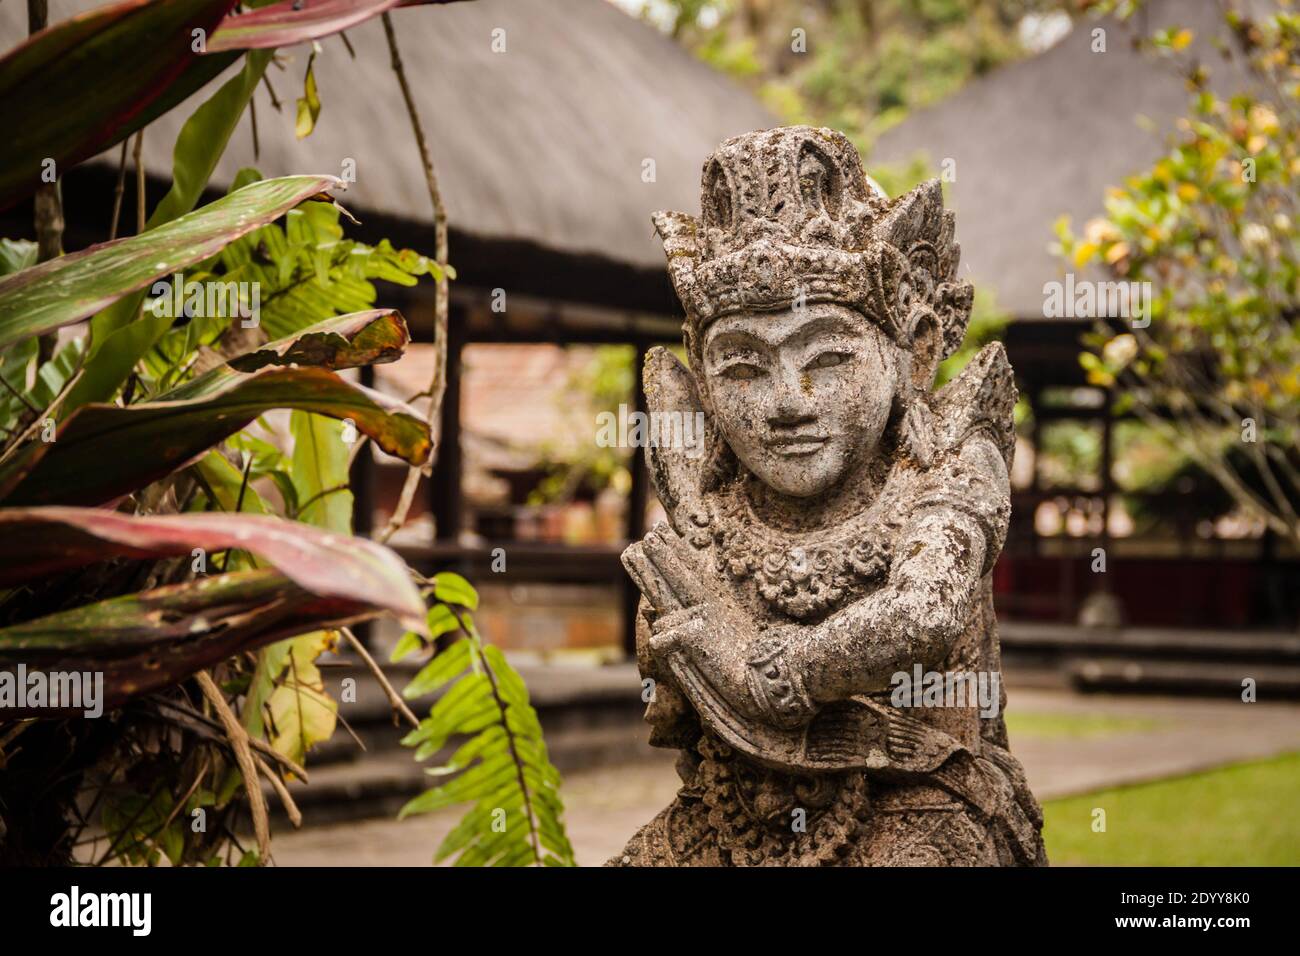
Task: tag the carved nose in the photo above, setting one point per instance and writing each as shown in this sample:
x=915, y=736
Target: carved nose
x=790, y=406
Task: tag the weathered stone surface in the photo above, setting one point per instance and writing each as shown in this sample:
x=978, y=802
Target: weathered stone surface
x=836, y=535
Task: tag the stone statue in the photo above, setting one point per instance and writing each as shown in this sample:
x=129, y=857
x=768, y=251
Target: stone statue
x=830, y=549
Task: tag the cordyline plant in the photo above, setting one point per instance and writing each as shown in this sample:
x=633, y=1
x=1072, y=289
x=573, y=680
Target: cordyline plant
x=1214, y=226
x=157, y=533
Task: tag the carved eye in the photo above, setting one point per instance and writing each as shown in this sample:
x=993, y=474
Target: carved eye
x=741, y=372
x=829, y=360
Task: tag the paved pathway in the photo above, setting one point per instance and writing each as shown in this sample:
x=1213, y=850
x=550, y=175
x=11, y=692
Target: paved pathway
x=1170, y=737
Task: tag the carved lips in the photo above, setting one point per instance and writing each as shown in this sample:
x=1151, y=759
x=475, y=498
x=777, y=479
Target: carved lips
x=793, y=446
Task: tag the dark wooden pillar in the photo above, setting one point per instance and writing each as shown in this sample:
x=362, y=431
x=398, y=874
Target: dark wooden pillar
x=637, y=499
x=1107, y=463
x=1107, y=479
x=1035, y=477
x=445, y=490
x=361, y=477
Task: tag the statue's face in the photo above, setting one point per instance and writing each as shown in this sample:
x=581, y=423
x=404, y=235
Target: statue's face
x=801, y=396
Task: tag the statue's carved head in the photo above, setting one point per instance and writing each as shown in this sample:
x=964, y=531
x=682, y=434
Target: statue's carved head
x=816, y=309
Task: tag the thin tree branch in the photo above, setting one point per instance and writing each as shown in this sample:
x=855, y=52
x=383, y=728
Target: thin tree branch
x=239, y=740
x=438, y=381
x=394, y=698
x=290, y=808
x=118, y=191
x=47, y=203
x=139, y=183
x=259, y=745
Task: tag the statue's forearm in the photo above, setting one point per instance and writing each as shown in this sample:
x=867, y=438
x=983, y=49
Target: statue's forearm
x=913, y=619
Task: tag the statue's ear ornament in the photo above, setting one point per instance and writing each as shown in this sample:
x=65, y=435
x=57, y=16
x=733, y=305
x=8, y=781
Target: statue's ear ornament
x=918, y=432
x=680, y=473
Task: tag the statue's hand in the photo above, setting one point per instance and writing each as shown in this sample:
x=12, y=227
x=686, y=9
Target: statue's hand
x=712, y=642
x=753, y=673
x=693, y=623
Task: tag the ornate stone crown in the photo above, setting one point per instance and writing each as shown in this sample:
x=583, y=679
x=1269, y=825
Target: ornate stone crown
x=788, y=215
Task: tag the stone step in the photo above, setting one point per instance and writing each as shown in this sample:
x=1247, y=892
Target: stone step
x=379, y=782
x=566, y=698
x=1159, y=676
x=609, y=689
x=590, y=716
x=1046, y=639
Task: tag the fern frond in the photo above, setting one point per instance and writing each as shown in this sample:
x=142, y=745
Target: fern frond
x=501, y=767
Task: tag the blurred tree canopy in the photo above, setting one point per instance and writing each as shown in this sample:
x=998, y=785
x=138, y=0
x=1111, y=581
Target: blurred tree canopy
x=857, y=65
x=1212, y=226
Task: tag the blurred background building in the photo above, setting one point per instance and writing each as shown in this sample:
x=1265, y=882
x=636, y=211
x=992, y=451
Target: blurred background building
x=554, y=140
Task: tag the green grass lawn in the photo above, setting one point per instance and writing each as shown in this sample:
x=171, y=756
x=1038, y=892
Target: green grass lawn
x=1057, y=725
x=1248, y=814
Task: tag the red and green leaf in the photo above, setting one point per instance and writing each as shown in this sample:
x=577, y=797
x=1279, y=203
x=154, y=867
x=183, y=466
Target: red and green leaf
x=44, y=541
x=346, y=341
x=153, y=639
x=102, y=452
x=85, y=84
x=76, y=286
x=298, y=21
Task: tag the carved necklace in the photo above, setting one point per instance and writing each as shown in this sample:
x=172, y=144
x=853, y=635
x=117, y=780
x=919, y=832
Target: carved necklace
x=805, y=575
x=764, y=818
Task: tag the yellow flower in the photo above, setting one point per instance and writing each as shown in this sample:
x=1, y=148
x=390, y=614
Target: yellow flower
x=1119, y=351
x=1263, y=118
x=1100, y=230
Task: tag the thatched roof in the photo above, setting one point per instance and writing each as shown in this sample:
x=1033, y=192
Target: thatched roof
x=1046, y=136
x=543, y=144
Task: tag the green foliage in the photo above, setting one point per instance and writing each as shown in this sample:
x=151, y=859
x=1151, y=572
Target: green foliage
x=63, y=291
x=308, y=270
x=500, y=764
x=143, y=829
x=21, y=405
x=1214, y=228
x=1069, y=455
x=308, y=103
x=320, y=471
x=16, y=254
x=864, y=64
x=204, y=136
